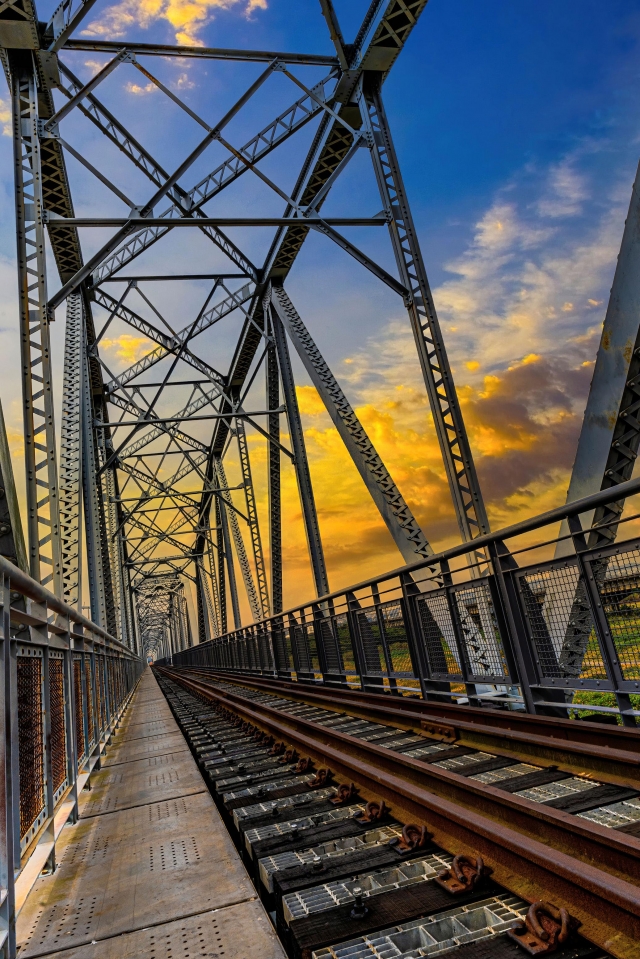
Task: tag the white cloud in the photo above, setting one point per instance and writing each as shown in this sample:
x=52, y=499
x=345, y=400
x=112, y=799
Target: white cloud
x=565, y=192
x=5, y=118
x=138, y=90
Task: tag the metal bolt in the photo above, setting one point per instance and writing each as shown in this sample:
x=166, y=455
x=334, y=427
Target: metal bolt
x=359, y=909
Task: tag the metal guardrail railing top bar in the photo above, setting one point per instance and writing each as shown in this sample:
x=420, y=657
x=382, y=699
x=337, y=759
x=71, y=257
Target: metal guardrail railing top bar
x=557, y=637
x=64, y=683
x=22, y=583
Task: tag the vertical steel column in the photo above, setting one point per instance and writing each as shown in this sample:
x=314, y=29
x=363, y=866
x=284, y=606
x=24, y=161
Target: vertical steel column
x=71, y=452
x=222, y=583
x=241, y=552
x=204, y=629
x=303, y=475
x=252, y=514
x=447, y=415
x=108, y=490
x=93, y=516
x=273, y=459
x=214, y=585
x=43, y=517
x=227, y=554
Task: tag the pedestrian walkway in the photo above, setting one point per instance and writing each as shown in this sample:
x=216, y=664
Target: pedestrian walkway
x=149, y=870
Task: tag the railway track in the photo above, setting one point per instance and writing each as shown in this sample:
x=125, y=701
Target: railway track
x=542, y=810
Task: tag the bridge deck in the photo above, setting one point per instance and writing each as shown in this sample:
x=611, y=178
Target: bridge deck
x=149, y=871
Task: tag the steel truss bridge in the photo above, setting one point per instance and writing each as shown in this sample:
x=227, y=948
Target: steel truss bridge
x=129, y=501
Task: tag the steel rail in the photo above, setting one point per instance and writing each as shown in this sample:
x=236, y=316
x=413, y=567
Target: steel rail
x=582, y=865
x=504, y=732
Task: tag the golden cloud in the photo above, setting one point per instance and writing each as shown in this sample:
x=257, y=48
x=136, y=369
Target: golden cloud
x=186, y=17
x=523, y=423
x=309, y=401
x=127, y=347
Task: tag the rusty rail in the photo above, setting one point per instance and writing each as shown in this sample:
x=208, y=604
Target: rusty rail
x=611, y=752
x=590, y=869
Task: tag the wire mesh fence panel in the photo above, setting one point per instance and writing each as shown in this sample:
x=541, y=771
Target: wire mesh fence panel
x=120, y=682
x=330, y=646
x=103, y=688
x=438, y=636
x=620, y=594
x=397, y=641
x=249, y=651
x=99, y=696
x=282, y=649
x=371, y=640
x=560, y=623
x=236, y=654
x=91, y=727
x=78, y=709
x=346, y=647
x=240, y=653
x=306, y=648
x=30, y=745
x=110, y=685
x=264, y=650
x=483, y=646
x=58, y=726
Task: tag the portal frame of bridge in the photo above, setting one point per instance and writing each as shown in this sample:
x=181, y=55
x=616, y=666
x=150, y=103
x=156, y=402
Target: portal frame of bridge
x=126, y=547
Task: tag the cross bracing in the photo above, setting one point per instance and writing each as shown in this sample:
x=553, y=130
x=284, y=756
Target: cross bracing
x=184, y=256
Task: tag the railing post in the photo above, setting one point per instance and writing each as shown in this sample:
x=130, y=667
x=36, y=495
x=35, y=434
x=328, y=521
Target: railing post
x=409, y=591
x=97, y=731
x=353, y=606
x=512, y=628
x=603, y=633
x=69, y=718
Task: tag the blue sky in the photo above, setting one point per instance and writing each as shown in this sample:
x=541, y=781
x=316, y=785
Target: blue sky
x=517, y=127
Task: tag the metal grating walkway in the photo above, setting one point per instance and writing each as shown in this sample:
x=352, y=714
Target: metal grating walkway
x=149, y=871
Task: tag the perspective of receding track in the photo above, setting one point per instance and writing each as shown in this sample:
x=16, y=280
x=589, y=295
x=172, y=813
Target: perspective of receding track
x=552, y=809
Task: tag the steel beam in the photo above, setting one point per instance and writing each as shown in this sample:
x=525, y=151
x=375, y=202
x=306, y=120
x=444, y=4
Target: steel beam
x=43, y=513
x=252, y=516
x=396, y=514
x=238, y=541
x=436, y=371
x=301, y=464
x=71, y=451
x=274, y=488
x=610, y=434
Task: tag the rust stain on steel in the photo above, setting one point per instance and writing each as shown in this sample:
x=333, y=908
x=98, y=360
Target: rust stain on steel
x=613, y=756
x=588, y=842
x=550, y=729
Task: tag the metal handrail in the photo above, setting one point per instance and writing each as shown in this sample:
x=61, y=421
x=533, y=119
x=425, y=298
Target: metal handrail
x=584, y=505
x=25, y=584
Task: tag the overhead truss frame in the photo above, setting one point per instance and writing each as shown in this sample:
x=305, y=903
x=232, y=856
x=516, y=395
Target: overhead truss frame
x=150, y=494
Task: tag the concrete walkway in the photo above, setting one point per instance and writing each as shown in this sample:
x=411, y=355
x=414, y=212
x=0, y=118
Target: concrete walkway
x=149, y=871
